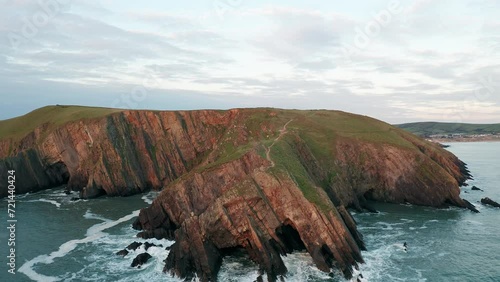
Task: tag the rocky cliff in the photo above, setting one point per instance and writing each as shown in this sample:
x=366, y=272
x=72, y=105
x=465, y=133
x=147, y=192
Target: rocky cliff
x=119, y=154
x=266, y=181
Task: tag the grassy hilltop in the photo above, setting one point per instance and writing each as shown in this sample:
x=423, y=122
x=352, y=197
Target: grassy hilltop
x=52, y=116
x=320, y=125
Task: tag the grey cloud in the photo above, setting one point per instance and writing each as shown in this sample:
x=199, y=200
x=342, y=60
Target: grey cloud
x=174, y=48
x=298, y=35
x=317, y=64
x=164, y=20
x=73, y=46
x=435, y=71
x=417, y=88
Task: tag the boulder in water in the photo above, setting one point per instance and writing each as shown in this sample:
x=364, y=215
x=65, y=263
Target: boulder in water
x=475, y=188
x=490, y=202
x=147, y=245
x=140, y=260
x=122, y=253
x=134, y=246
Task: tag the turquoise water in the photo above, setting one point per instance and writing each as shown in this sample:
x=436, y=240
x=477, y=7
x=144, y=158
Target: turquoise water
x=61, y=240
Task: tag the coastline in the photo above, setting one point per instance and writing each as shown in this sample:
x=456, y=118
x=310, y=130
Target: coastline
x=464, y=140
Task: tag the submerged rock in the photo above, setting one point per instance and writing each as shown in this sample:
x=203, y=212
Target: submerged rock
x=122, y=253
x=490, y=202
x=140, y=260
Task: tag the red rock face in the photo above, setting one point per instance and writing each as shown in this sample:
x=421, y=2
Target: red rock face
x=241, y=204
x=241, y=179
x=122, y=154
x=399, y=175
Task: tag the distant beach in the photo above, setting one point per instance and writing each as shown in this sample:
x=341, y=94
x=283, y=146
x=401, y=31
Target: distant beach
x=490, y=138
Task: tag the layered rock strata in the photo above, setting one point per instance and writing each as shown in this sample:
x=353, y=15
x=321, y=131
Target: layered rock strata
x=265, y=182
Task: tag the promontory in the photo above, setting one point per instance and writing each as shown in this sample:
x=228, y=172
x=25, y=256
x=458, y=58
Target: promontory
x=264, y=182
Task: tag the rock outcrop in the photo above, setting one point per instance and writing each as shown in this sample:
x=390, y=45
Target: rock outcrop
x=133, y=246
x=148, y=245
x=121, y=154
x=470, y=206
x=265, y=181
x=122, y=253
x=140, y=259
x=475, y=188
x=241, y=205
x=490, y=202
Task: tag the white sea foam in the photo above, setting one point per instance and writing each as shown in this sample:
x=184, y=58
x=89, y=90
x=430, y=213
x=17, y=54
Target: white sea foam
x=149, y=197
x=103, y=264
x=19, y=197
x=406, y=220
x=55, y=203
x=357, y=276
x=299, y=264
x=473, y=222
x=301, y=268
x=93, y=233
x=376, y=263
x=89, y=215
x=238, y=269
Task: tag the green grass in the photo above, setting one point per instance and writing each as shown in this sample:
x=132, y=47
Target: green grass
x=53, y=116
x=431, y=128
x=287, y=161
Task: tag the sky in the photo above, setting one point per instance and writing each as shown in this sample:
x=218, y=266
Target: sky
x=395, y=60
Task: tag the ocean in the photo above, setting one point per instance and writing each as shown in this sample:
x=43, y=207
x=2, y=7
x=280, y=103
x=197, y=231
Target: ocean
x=62, y=240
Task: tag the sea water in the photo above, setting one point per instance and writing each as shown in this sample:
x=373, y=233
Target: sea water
x=62, y=240
x=443, y=244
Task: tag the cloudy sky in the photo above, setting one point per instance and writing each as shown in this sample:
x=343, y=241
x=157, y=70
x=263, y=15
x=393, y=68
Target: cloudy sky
x=398, y=61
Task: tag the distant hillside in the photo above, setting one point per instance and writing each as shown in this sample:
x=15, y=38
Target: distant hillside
x=432, y=128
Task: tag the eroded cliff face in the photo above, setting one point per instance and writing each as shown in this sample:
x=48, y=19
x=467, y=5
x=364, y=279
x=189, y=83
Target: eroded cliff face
x=245, y=204
x=265, y=181
x=391, y=174
x=118, y=155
